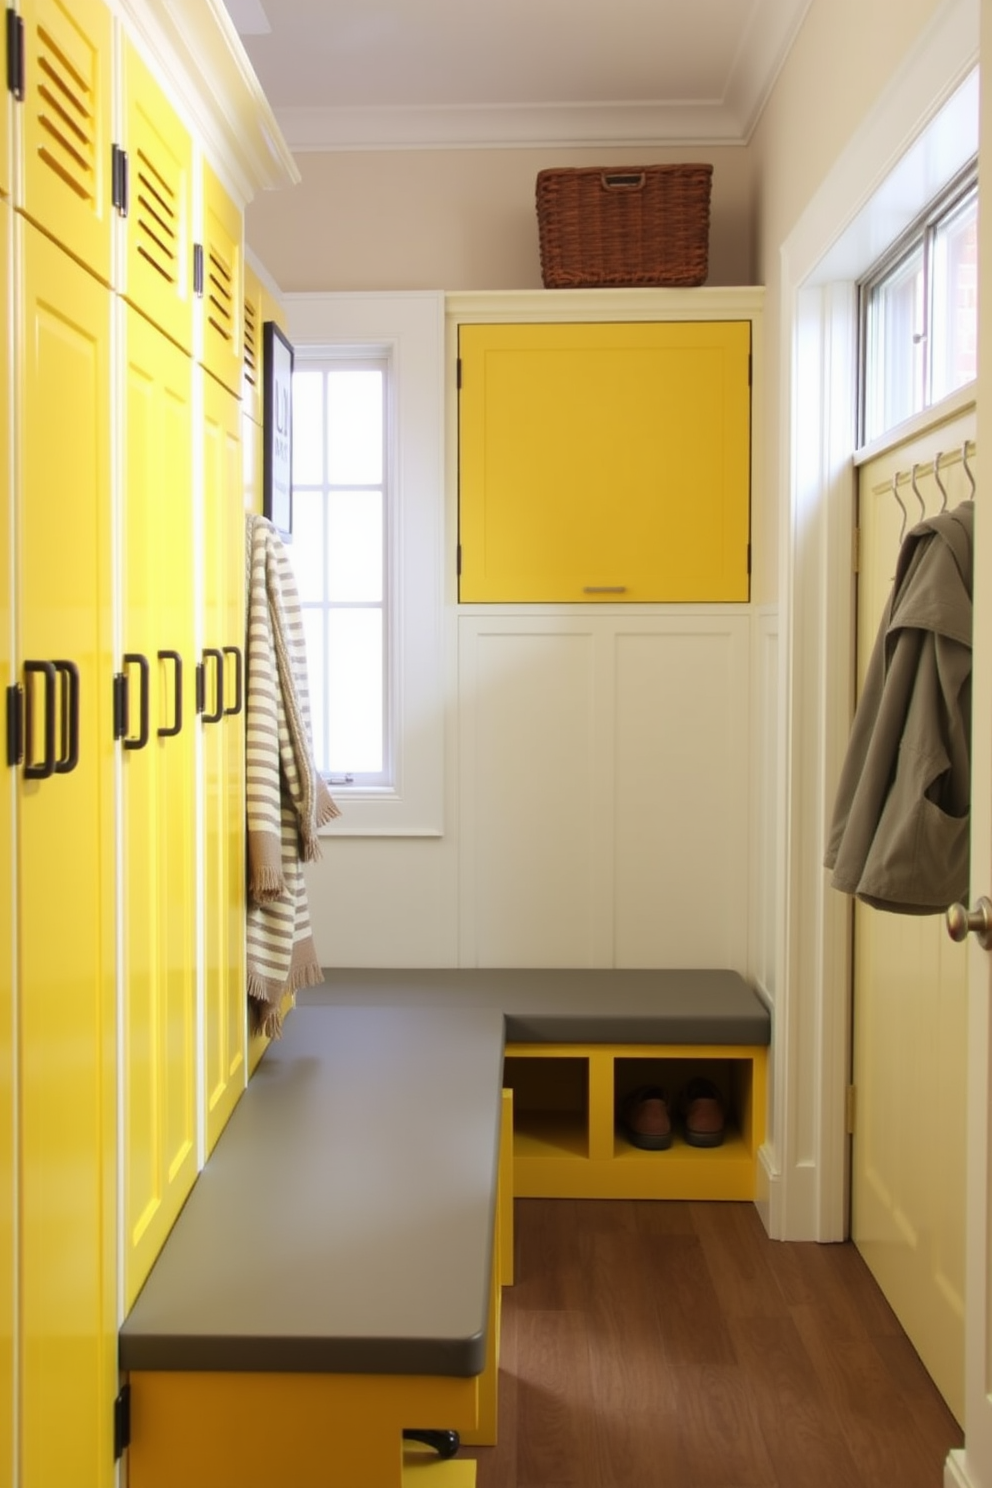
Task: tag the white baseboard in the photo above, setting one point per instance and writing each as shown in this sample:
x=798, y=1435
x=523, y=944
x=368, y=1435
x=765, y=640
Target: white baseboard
x=956, y=1471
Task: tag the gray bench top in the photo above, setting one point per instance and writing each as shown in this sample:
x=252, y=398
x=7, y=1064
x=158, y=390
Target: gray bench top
x=572, y=1006
x=344, y=1222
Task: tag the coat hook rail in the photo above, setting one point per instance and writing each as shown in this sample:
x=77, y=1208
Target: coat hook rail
x=936, y=467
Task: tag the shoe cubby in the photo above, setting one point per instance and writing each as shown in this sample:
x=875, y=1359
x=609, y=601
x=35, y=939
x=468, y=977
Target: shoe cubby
x=568, y=1141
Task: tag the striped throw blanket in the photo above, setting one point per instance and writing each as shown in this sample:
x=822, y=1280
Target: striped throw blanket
x=287, y=799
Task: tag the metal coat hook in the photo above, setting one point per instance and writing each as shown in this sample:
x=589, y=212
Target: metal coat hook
x=902, y=508
x=940, y=484
x=967, y=468
x=916, y=493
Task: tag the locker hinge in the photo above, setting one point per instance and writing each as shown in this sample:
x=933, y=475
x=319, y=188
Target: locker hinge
x=198, y=270
x=122, y=1422
x=458, y=374
x=201, y=687
x=15, y=55
x=119, y=179
x=749, y=559
x=856, y=550
x=851, y=1109
x=750, y=368
x=458, y=560
x=120, y=705
x=15, y=725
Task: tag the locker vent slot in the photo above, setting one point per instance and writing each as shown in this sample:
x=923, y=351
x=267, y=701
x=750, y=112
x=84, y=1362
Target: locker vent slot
x=156, y=214
x=220, y=287
x=251, y=345
x=67, y=119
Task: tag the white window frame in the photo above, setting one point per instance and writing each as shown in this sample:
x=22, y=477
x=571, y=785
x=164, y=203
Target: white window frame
x=409, y=329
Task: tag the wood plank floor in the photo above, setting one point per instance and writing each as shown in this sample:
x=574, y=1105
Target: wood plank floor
x=673, y=1345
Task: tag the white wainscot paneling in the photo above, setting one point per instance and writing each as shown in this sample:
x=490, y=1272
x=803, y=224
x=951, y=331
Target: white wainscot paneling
x=766, y=895
x=681, y=792
x=528, y=751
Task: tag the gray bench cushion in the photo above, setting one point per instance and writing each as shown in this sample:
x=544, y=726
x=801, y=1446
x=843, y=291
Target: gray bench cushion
x=573, y=1006
x=344, y=1221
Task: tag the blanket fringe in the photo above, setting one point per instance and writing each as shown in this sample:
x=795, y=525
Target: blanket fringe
x=266, y=883
x=306, y=976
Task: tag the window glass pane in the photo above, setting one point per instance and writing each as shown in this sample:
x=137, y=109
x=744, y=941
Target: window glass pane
x=313, y=628
x=897, y=347
x=354, y=546
x=308, y=428
x=354, y=690
x=955, y=301
x=307, y=546
x=354, y=427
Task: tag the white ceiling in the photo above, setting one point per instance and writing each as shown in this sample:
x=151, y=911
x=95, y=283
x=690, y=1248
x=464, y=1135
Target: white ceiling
x=359, y=74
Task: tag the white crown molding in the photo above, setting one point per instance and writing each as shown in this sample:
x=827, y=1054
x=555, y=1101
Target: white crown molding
x=564, y=126
x=769, y=35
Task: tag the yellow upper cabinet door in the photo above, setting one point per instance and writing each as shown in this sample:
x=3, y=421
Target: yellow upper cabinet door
x=222, y=283
x=159, y=173
x=65, y=127
x=222, y=723
x=604, y=462
x=7, y=1202
x=66, y=815
x=158, y=797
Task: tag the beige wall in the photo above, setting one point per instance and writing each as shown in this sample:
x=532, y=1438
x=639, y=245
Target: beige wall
x=844, y=56
x=454, y=219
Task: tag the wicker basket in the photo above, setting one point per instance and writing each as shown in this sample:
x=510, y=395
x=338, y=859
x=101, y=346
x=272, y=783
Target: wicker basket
x=642, y=225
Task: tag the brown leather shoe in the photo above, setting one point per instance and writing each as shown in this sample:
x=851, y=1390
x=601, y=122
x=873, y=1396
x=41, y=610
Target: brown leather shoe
x=645, y=1119
x=704, y=1119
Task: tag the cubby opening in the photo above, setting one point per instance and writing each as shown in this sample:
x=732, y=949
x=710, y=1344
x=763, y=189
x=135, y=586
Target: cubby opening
x=550, y=1106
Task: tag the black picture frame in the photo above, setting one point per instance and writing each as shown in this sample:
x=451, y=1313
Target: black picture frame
x=277, y=429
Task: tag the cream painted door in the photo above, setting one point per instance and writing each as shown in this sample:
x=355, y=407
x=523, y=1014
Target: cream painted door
x=910, y=1000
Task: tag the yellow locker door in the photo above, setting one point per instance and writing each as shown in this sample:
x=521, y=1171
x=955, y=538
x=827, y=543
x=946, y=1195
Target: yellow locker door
x=65, y=126
x=223, y=758
x=605, y=462
x=7, y=1046
x=159, y=802
x=223, y=284
x=159, y=259
x=66, y=972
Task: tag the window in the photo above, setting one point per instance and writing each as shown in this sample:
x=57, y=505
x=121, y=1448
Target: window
x=368, y=459
x=339, y=552
x=919, y=313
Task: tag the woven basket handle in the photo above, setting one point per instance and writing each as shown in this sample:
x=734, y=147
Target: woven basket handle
x=623, y=180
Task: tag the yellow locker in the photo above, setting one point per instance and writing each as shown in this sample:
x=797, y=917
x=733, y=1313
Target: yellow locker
x=159, y=173
x=604, y=462
x=65, y=874
x=7, y=1042
x=222, y=273
x=158, y=797
x=222, y=722
x=65, y=126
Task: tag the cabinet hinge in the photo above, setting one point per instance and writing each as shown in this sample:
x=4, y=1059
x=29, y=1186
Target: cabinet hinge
x=458, y=560
x=201, y=687
x=749, y=560
x=15, y=55
x=15, y=725
x=851, y=1109
x=120, y=705
x=122, y=1422
x=119, y=179
x=856, y=550
x=458, y=374
x=750, y=368
x=198, y=270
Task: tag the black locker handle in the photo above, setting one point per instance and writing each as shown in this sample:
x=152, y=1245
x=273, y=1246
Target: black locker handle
x=69, y=757
x=238, y=679
x=47, y=766
x=218, y=656
x=136, y=658
x=15, y=724
x=177, y=712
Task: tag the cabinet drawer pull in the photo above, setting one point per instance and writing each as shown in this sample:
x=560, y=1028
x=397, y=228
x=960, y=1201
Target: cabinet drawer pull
x=46, y=765
x=177, y=710
x=135, y=658
x=69, y=758
x=605, y=589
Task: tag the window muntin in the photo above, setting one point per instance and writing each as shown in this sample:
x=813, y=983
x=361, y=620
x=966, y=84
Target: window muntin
x=919, y=313
x=339, y=552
